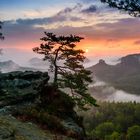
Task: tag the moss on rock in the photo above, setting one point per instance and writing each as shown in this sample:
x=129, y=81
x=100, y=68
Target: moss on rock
x=13, y=129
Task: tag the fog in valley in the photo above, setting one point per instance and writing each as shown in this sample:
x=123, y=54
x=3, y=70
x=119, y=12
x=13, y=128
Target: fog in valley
x=100, y=90
x=104, y=92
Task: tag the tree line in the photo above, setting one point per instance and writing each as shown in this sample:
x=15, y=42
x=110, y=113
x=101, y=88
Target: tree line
x=113, y=121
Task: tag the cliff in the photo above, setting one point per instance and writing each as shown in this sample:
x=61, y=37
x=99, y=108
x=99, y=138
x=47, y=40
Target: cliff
x=20, y=103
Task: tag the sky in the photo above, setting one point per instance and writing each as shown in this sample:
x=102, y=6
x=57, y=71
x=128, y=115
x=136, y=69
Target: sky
x=108, y=32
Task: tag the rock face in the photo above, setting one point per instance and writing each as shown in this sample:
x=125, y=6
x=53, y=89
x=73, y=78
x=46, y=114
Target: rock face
x=17, y=87
x=13, y=129
x=18, y=92
x=131, y=60
x=129, y=64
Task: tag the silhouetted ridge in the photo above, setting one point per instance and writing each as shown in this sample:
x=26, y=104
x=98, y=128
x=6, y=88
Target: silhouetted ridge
x=9, y=66
x=125, y=75
x=131, y=60
x=8, y=63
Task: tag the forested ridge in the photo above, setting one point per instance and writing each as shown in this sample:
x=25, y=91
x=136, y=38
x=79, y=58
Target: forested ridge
x=113, y=121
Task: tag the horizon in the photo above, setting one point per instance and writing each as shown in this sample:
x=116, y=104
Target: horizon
x=109, y=34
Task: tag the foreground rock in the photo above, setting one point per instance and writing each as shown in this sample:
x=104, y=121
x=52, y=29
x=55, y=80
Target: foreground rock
x=20, y=96
x=12, y=129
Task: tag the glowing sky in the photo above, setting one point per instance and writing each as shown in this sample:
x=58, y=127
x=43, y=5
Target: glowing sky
x=107, y=31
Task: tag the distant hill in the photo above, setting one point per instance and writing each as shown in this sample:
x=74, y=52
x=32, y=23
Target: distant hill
x=9, y=66
x=125, y=75
x=37, y=62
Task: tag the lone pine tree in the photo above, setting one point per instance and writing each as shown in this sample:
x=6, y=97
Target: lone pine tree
x=71, y=74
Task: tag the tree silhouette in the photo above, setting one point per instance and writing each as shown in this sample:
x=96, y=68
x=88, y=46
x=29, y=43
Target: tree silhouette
x=131, y=6
x=1, y=36
x=71, y=74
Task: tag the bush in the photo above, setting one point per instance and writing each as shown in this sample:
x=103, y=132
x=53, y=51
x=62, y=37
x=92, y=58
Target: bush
x=104, y=129
x=133, y=133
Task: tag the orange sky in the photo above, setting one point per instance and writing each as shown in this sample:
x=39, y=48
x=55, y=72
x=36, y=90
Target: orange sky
x=107, y=32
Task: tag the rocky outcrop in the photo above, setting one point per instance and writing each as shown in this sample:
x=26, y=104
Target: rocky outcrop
x=131, y=60
x=21, y=95
x=125, y=75
x=17, y=87
x=13, y=129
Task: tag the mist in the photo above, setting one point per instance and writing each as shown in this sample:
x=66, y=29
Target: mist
x=99, y=89
x=22, y=56
x=103, y=91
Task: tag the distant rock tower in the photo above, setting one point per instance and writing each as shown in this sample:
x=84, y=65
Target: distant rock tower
x=101, y=61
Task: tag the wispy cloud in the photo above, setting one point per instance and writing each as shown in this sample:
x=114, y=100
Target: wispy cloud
x=94, y=22
x=90, y=9
x=62, y=16
x=137, y=42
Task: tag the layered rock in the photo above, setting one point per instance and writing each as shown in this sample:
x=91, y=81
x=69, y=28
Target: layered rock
x=22, y=96
x=18, y=87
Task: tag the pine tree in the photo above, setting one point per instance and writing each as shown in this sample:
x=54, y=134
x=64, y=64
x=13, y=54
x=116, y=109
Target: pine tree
x=1, y=35
x=71, y=74
x=131, y=6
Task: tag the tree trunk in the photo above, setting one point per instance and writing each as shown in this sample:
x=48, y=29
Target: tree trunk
x=55, y=76
x=56, y=69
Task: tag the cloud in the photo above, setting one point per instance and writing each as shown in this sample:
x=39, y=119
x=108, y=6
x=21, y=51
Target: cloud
x=69, y=10
x=62, y=16
x=90, y=9
x=137, y=42
x=32, y=13
x=89, y=1
x=127, y=28
x=19, y=31
x=123, y=29
x=71, y=20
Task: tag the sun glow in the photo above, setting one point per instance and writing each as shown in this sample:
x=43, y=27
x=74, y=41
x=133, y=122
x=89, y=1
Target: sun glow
x=86, y=50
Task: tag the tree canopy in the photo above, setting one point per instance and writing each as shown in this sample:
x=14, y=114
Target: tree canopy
x=66, y=63
x=113, y=121
x=133, y=133
x=131, y=6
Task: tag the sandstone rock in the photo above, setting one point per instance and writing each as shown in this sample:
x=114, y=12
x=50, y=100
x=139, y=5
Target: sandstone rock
x=18, y=87
x=13, y=129
x=20, y=90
